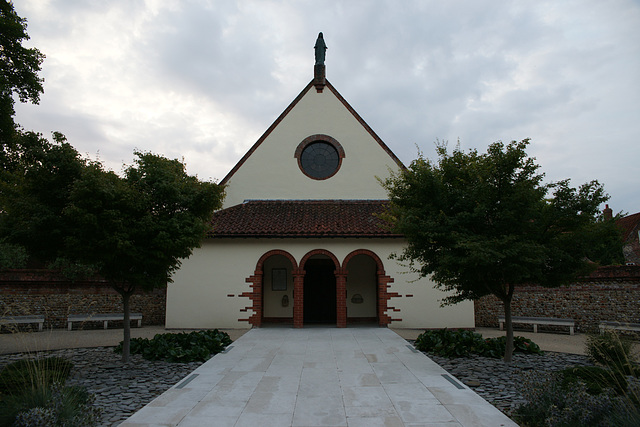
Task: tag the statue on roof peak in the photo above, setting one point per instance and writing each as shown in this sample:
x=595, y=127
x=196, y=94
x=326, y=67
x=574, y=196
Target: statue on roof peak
x=320, y=48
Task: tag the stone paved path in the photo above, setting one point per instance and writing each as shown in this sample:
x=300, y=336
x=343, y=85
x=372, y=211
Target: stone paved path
x=352, y=377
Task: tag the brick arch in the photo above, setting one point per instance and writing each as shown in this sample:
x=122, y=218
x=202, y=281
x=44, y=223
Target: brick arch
x=371, y=254
x=255, y=280
x=383, y=285
x=320, y=252
x=274, y=252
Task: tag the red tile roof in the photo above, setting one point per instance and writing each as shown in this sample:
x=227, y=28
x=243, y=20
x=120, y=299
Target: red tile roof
x=302, y=218
x=629, y=224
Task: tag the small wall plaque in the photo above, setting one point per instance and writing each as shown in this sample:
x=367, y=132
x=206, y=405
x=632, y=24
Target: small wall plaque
x=279, y=279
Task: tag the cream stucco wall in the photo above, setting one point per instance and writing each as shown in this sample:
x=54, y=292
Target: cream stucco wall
x=206, y=290
x=272, y=172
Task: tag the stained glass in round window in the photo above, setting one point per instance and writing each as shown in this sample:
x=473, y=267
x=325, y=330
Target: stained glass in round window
x=320, y=160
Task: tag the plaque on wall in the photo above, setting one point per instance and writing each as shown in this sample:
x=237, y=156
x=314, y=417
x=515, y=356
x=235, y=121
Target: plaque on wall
x=279, y=279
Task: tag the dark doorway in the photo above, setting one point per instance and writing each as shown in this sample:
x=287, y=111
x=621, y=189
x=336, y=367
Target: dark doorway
x=319, y=291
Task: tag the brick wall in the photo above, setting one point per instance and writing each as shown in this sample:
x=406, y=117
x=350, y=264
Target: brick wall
x=44, y=292
x=610, y=293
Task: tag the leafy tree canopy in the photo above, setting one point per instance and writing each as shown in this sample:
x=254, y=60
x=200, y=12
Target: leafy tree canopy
x=19, y=67
x=72, y=214
x=35, y=181
x=136, y=229
x=480, y=224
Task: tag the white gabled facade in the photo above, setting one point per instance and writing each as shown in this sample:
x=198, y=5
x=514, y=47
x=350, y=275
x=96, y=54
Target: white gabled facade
x=270, y=171
x=296, y=241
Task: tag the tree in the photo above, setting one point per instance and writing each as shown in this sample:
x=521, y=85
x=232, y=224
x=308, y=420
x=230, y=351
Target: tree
x=482, y=224
x=35, y=188
x=19, y=68
x=72, y=214
x=134, y=231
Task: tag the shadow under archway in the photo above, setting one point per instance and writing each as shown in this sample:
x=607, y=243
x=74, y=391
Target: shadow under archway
x=320, y=291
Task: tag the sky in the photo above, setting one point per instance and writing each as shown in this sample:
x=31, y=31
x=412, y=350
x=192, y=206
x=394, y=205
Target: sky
x=202, y=80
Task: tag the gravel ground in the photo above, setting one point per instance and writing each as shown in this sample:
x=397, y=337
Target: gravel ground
x=497, y=382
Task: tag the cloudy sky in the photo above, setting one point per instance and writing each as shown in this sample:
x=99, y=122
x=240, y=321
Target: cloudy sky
x=202, y=80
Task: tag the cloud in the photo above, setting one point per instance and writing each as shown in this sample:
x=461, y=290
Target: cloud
x=204, y=80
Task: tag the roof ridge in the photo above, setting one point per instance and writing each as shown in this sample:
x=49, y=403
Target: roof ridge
x=312, y=200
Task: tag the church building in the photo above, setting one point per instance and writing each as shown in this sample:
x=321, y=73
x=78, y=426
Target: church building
x=299, y=241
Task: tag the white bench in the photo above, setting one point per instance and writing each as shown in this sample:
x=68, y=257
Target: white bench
x=98, y=317
x=535, y=321
x=39, y=319
x=621, y=326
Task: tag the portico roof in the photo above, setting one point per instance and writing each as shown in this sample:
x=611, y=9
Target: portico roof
x=302, y=218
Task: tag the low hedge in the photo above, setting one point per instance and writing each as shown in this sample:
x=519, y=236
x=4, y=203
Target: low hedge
x=462, y=343
x=181, y=347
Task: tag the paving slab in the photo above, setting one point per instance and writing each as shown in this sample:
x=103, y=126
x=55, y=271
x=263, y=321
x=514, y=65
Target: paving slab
x=348, y=377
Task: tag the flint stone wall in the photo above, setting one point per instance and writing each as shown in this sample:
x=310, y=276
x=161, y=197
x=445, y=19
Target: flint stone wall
x=610, y=293
x=32, y=292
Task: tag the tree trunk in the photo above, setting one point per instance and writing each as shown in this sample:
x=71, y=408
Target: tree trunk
x=508, y=351
x=126, y=344
x=126, y=292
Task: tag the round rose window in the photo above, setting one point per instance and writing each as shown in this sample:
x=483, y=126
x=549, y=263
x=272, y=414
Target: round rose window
x=320, y=160
x=319, y=156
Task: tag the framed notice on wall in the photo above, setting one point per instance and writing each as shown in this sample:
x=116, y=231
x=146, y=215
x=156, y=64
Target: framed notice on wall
x=279, y=279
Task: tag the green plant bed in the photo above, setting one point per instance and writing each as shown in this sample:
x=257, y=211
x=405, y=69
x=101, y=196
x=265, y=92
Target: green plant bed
x=614, y=351
x=51, y=405
x=462, y=343
x=32, y=393
x=32, y=373
x=182, y=347
x=595, y=379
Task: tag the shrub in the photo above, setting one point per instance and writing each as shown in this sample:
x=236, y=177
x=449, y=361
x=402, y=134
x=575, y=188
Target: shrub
x=579, y=396
x=551, y=405
x=182, y=347
x=462, y=343
x=448, y=343
x=31, y=373
x=596, y=379
x=626, y=410
x=611, y=350
x=495, y=347
x=32, y=393
x=53, y=405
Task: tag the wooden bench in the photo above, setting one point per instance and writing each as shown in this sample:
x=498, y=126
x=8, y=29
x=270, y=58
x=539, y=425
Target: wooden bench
x=620, y=326
x=535, y=321
x=39, y=319
x=99, y=317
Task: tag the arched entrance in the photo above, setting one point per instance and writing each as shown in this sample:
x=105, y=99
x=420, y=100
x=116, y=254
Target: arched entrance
x=319, y=290
x=284, y=279
x=362, y=289
x=363, y=257
x=277, y=289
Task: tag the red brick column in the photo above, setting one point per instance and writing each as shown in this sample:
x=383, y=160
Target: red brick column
x=298, y=298
x=341, y=298
x=255, y=296
x=383, y=297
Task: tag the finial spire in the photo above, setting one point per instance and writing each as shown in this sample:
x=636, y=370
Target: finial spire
x=318, y=69
x=320, y=48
